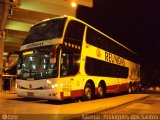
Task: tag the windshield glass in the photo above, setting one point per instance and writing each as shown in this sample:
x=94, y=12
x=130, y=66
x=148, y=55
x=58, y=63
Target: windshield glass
x=45, y=31
x=37, y=65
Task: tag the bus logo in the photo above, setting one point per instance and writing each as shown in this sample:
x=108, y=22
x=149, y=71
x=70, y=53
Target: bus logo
x=30, y=86
x=4, y=116
x=98, y=52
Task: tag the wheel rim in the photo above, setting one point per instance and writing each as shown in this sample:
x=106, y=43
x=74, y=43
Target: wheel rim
x=88, y=93
x=133, y=88
x=130, y=89
x=100, y=91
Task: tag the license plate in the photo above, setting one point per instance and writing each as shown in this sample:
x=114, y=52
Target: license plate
x=30, y=94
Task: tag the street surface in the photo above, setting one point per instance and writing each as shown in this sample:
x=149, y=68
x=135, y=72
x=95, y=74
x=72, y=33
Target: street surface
x=150, y=105
x=145, y=109
x=12, y=105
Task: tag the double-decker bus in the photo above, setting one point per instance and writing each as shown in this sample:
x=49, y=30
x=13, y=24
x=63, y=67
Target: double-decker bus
x=65, y=57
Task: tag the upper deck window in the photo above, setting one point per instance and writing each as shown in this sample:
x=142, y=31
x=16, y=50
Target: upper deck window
x=75, y=31
x=45, y=31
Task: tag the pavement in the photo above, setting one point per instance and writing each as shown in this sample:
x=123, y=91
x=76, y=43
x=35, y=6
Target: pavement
x=111, y=103
x=11, y=104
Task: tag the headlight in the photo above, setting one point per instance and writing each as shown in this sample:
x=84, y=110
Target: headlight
x=18, y=86
x=49, y=82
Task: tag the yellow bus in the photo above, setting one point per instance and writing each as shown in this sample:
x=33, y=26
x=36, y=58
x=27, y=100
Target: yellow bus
x=65, y=57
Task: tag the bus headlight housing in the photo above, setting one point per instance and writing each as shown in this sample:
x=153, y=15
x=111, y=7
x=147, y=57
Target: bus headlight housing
x=50, y=86
x=18, y=86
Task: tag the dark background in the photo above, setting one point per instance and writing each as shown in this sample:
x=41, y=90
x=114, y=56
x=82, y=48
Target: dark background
x=134, y=23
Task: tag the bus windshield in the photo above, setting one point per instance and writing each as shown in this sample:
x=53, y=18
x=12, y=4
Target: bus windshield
x=46, y=30
x=37, y=66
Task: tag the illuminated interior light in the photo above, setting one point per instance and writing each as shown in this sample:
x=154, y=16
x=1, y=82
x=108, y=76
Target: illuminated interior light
x=30, y=58
x=73, y=4
x=44, y=60
x=64, y=54
x=34, y=67
x=44, y=66
x=46, y=55
x=23, y=65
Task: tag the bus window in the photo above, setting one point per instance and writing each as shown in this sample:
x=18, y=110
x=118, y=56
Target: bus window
x=75, y=31
x=46, y=30
x=66, y=62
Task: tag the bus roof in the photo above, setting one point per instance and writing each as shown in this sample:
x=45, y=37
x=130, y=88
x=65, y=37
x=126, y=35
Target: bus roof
x=48, y=19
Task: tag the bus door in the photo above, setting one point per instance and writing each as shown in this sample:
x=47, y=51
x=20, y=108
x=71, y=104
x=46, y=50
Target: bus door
x=69, y=67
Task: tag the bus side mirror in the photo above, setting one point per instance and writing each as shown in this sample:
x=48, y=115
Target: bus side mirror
x=53, y=55
x=53, y=60
x=19, y=64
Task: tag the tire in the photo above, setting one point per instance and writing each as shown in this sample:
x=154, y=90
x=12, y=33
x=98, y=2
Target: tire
x=136, y=88
x=131, y=89
x=101, y=91
x=88, y=92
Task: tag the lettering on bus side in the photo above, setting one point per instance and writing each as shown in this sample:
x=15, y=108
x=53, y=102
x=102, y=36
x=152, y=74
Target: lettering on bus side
x=32, y=45
x=109, y=57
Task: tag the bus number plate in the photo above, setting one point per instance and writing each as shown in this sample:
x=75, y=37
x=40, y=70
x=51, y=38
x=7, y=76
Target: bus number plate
x=30, y=94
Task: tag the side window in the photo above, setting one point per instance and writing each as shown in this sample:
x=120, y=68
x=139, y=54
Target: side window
x=92, y=37
x=97, y=39
x=74, y=31
x=69, y=62
x=97, y=67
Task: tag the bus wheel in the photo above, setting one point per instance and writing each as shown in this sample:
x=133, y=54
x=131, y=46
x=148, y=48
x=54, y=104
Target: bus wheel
x=131, y=88
x=88, y=92
x=101, y=90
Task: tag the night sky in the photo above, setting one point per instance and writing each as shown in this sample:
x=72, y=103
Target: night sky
x=134, y=23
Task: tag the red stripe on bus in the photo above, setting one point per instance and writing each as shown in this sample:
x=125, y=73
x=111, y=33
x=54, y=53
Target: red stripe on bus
x=110, y=89
x=118, y=88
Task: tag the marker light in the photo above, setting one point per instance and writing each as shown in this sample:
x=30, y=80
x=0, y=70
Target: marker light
x=28, y=53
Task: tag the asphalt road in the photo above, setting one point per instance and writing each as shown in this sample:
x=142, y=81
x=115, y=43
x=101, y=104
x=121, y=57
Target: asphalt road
x=14, y=107
x=145, y=109
x=150, y=105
